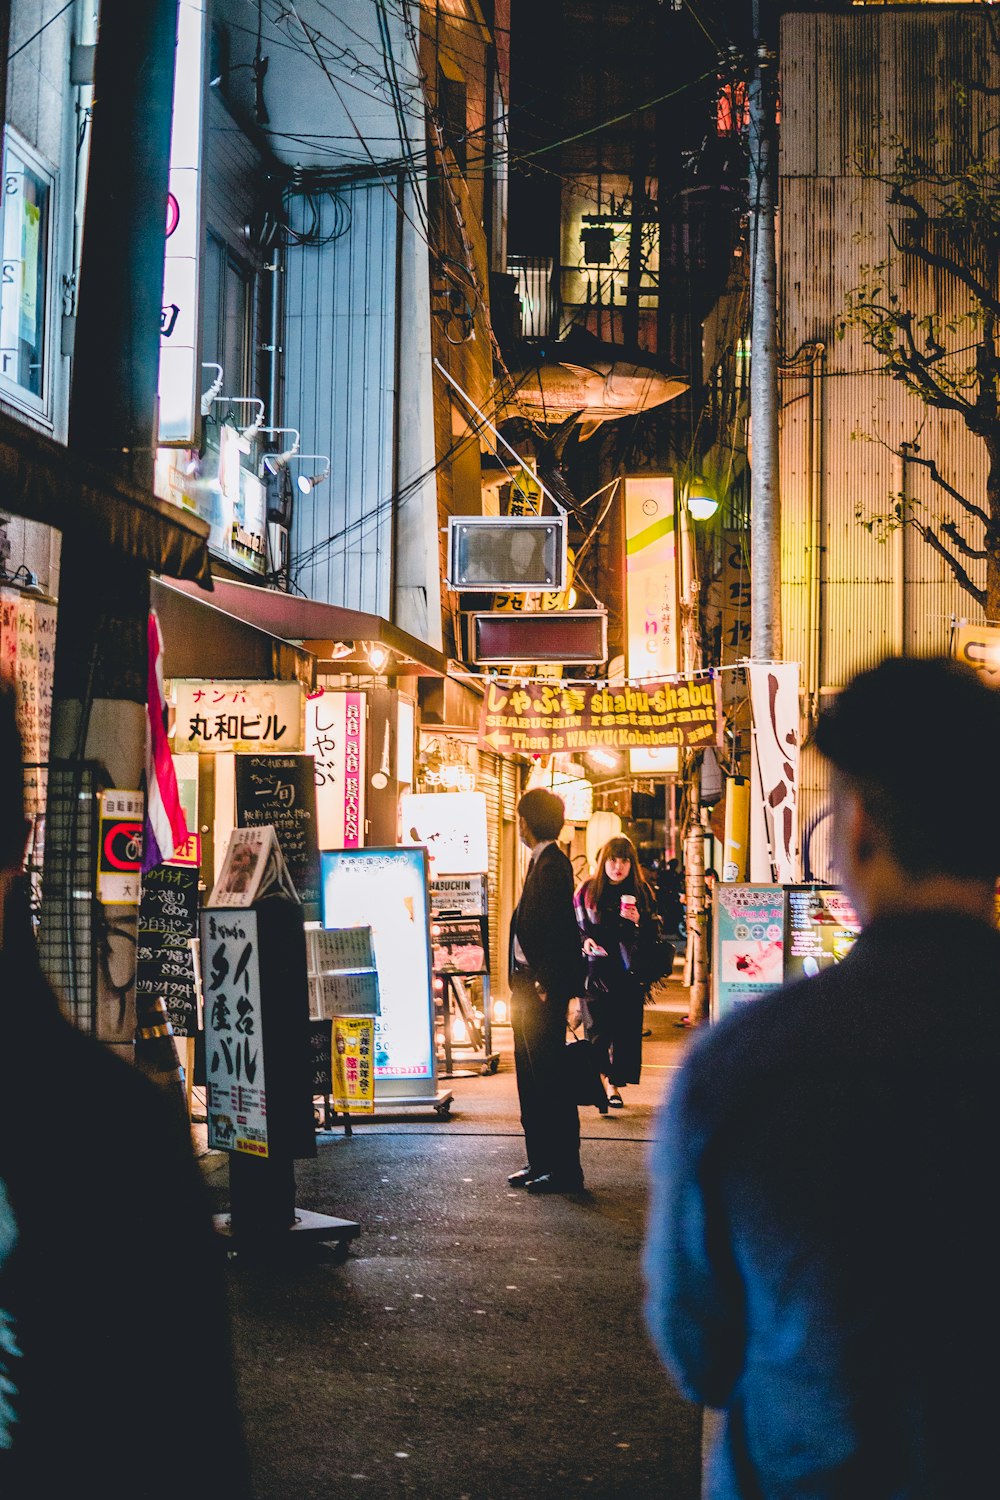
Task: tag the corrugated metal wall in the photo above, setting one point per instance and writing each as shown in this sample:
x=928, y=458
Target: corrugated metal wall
x=852, y=85
x=340, y=372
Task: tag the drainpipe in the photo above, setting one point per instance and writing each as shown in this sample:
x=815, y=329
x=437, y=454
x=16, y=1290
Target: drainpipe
x=274, y=349
x=814, y=529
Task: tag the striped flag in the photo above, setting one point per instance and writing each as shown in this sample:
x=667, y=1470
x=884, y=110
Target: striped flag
x=165, y=828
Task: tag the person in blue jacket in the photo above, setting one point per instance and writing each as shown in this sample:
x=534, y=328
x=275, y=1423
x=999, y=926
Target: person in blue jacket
x=821, y=1258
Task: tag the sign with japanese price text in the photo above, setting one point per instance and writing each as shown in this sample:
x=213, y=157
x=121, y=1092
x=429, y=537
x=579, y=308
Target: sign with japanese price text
x=236, y=1098
x=821, y=928
x=168, y=921
x=353, y=1073
x=345, y=994
x=336, y=725
x=214, y=716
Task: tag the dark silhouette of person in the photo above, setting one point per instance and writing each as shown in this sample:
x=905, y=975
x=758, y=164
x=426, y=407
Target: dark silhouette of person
x=821, y=1249
x=102, y=1220
x=669, y=885
x=546, y=971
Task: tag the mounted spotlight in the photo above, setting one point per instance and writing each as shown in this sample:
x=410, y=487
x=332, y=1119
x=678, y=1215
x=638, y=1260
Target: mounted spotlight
x=256, y=426
x=209, y=397
x=272, y=462
x=378, y=655
x=308, y=482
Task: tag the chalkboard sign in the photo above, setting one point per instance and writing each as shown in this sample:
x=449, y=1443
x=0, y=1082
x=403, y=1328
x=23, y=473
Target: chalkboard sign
x=280, y=790
x=321, y=1056
x=168, y=920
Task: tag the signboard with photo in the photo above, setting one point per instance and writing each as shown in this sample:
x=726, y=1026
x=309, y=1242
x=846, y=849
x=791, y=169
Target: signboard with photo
x=460, y=945
x=821, y=928
x=748, y=942
x=279, y=792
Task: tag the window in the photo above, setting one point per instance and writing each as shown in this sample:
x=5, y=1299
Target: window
x=452, y=114
x=226, y=314
x=24, y=276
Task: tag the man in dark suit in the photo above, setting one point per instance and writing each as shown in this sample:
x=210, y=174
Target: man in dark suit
x=546, y=970
x=821, y=1255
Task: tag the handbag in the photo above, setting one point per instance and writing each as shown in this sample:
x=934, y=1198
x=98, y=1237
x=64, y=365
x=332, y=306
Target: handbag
x=582, y=1070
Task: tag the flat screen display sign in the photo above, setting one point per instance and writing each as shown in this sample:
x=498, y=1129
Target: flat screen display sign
x=387, y=890
x=748, y=932
x=821, y=927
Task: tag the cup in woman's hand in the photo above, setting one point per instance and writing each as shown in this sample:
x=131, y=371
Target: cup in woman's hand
x=630, y=909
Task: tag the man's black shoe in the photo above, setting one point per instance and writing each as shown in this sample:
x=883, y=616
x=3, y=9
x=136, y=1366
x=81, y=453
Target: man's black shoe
x=520, y=1179
x=549, y=1184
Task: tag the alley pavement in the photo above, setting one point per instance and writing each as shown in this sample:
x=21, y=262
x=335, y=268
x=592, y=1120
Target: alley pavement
x=477, y=1342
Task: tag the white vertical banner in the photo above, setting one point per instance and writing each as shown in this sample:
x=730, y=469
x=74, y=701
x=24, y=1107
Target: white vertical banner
x=336, y=724
x=653, y=645
x=774, y=788
x=178, y=383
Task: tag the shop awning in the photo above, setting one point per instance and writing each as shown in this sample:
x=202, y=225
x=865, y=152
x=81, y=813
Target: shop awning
x=200, y=640
x=42, y=480
x=337, y=638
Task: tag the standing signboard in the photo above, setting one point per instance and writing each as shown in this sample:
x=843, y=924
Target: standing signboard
x=386, y=890
x=821, y=927
x=236, y=1098
x=748, y=932
x=279, y=791
x=168, y=921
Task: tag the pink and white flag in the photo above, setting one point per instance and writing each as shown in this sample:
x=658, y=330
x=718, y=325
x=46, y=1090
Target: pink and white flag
x=165, y=828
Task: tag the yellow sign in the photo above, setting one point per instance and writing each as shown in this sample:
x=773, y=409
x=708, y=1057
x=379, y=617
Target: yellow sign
x=978, y=646
x=541, y=718
x=353, y=1067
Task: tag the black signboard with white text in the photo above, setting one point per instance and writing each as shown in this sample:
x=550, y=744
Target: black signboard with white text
x=280, y=790
x=168, y=920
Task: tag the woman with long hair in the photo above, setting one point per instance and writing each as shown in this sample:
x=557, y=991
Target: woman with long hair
x=616, y=912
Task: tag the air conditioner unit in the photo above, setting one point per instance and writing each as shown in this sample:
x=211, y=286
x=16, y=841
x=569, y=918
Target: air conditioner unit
x=508, y=554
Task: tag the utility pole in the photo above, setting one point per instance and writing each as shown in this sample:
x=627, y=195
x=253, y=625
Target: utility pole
x=765, y=500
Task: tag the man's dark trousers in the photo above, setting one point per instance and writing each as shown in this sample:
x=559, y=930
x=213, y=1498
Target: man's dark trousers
x=549, y=1114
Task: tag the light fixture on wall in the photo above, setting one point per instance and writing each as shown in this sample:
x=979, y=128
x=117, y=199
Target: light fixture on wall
x=308, y=482
x=701, y=503
x=272, y=462
x=209, y=397
x=378, y=655
x=256, y=426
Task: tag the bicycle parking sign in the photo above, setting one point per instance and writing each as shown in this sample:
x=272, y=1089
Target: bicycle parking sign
x=119, y=847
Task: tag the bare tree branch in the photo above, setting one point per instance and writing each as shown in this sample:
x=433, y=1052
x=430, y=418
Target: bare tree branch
x=933, y=540
x=951, y=531
x=950, y=264
x=949, y=489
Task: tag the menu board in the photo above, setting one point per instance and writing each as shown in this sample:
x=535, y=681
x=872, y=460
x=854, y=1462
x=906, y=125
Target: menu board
x=340, y=948
x=459, y=945
x=345, y=994
x=749, y=935
x=821, y=928
x=386, y=890
x=168, y=921
x=280, y=791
